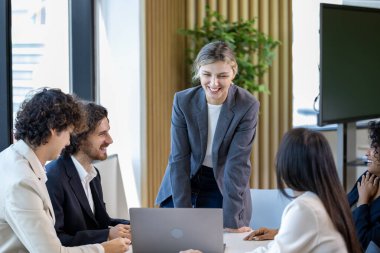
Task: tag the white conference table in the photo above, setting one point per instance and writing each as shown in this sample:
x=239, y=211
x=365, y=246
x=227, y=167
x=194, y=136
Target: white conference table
x=235, y=243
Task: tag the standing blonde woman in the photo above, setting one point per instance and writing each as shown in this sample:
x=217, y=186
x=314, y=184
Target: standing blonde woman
x=212, y=130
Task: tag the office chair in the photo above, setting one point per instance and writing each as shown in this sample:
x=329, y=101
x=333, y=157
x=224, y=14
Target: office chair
x=113, y=187
x=267, y=207
x=372, y=248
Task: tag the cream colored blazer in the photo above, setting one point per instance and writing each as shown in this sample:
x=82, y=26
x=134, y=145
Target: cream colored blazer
x=26, y=213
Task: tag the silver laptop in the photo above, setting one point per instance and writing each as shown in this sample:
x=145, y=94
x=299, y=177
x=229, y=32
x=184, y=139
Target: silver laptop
x=170, y=230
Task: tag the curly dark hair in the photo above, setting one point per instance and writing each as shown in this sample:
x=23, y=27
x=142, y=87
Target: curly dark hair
x=374, y=136
x=94, y=114
x=46, y=109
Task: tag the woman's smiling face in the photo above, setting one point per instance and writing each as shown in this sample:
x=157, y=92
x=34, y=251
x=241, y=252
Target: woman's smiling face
x=216, y=79
x=373, y=161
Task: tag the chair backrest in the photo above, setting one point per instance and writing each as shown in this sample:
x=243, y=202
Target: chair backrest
x=372, y=248
x=113, y=187
x=267, y=207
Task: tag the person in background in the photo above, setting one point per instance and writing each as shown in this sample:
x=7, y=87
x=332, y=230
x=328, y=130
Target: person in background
x=366, y=192
x=75, y=189
x=44, y=123
x=213, y=126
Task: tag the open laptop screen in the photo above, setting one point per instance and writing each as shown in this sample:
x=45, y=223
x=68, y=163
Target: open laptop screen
x=175, y=229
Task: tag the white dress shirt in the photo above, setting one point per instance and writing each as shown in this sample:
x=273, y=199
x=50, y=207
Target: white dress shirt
x=85, y=178
x=306, y=227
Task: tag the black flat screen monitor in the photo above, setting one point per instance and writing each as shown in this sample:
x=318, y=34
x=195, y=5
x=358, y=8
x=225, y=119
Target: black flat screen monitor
x=349, y=64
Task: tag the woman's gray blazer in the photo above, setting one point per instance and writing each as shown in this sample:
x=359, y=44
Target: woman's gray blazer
x=232, y=145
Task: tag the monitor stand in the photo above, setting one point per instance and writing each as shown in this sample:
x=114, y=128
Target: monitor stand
x=346, y=152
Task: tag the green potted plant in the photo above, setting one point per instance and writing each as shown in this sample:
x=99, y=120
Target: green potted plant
x=246, y=41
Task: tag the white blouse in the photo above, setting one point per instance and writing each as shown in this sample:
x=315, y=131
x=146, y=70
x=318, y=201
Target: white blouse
x=306, y=227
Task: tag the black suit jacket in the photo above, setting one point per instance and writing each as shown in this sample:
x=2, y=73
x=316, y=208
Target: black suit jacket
x=75, y=223
x=366, y=218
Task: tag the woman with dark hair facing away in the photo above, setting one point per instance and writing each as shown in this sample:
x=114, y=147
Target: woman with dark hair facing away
x=213, y=126
x=366, y=192
x=319, y=218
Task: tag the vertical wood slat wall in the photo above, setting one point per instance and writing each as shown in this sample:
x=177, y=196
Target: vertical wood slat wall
x=166, y=74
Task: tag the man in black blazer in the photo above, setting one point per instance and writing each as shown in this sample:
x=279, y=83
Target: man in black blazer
x=75, y=189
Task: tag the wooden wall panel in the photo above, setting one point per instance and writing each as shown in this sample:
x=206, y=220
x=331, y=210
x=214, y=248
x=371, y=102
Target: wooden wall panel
x=165, y=74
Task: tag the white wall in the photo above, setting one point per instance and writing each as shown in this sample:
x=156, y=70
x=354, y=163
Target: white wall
x=120, y=87
x=305, y=55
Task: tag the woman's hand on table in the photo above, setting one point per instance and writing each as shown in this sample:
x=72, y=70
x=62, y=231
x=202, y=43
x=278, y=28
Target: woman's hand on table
x=261, y=234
